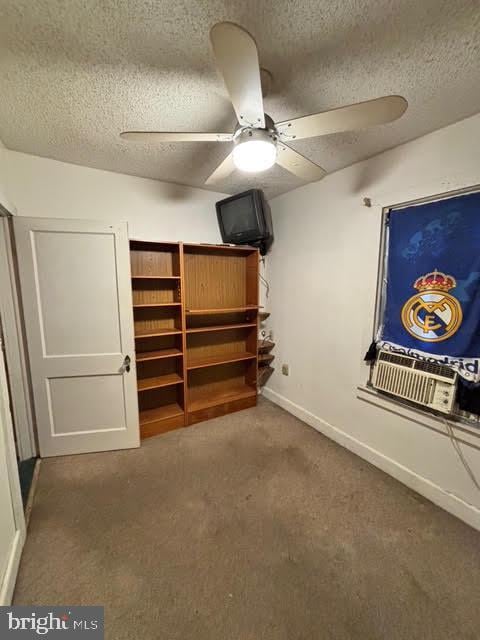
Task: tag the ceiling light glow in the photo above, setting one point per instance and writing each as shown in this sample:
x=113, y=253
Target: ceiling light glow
x=254, y=155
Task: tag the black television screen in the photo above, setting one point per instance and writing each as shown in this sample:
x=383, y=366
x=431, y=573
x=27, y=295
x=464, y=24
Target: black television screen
x=245, y=219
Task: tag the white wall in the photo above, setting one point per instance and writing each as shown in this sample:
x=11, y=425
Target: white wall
x=4, y=199
x=323, y=271
x=154, y=210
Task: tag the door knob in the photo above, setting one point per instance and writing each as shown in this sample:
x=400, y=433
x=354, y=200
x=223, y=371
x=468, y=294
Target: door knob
x=126, y=363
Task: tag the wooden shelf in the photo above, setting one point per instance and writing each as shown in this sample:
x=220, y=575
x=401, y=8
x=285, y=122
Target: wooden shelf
x=145, y=356
x=167, y=380
x=145, y=277
x=161, y=413
x=265, y=358
x=158, y=243
x=191, y=312
x=198, y=363
x=219, y=249
x=153, y=333
x=221, y=327
x=211, y=399
x=265, y=345
x=264, y=374
x=157, y=304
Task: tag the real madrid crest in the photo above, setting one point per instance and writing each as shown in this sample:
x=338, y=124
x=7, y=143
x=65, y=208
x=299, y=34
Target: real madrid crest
x=432, y=315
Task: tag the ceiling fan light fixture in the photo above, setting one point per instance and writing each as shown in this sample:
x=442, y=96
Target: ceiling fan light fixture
x=254, y=155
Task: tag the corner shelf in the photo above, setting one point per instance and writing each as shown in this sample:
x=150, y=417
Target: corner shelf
x=265, y=358
x=211, y=361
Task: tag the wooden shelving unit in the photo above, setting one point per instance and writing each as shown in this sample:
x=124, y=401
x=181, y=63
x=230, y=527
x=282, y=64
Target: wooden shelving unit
x=159, y=328
x=196, y=325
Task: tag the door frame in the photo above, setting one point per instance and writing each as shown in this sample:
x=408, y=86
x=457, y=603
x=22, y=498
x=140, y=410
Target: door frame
x=17, y=403
x=7, y=585
x=15, y=344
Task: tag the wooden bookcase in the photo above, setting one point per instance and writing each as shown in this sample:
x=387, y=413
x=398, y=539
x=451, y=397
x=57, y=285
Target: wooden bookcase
x=196, y=325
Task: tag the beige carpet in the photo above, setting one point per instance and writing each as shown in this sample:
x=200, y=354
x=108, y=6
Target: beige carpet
x=248, y=527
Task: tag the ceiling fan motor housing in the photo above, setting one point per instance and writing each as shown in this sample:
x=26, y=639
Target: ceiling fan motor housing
x=255, y=148
x=244, y=133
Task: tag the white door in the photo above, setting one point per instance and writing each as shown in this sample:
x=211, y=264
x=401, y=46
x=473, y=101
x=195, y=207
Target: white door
x=77, y=303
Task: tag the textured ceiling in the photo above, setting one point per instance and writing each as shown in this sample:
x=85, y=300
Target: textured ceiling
x=75, y=73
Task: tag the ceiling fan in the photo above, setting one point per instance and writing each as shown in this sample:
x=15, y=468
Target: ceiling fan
x=259, y=142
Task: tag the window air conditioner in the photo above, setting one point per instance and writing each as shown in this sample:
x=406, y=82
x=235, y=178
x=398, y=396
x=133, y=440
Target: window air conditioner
x=427, y=383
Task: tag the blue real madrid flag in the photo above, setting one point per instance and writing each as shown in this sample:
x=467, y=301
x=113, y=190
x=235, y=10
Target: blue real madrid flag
x=432, y=304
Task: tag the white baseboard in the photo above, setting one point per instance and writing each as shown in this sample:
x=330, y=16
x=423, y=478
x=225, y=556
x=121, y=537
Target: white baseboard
x=451, y=503
x=10, y=577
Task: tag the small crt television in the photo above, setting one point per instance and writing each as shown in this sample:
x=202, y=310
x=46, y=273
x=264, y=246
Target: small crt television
x=246, y=219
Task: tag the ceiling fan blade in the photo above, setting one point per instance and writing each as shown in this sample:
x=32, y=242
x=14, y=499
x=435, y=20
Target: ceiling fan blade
x=237, y=60
x=297, y=164
x=355, y=116
x=177, y=136
x=223, y=170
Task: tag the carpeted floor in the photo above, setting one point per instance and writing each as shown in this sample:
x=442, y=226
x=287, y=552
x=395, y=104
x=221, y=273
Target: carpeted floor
x=251, y=526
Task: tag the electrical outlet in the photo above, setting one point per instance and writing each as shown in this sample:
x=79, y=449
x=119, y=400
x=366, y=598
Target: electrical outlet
x=285, y=369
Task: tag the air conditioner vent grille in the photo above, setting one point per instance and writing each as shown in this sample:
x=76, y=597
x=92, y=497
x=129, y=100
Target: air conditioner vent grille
x=395, y=358
x=406, y=384
x=436, y=369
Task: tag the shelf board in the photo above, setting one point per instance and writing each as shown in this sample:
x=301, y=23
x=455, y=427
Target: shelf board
x=145, y=384
x=264, y=346
x=251, y=307
x=265, y=358
x=237, y=392
x=145, y=356
x=264, y=374
x=153, y=333
x=233, y=249
x=157, y=304
x=156, y=244
x=221, y=327
x=160, y=413
x=146, y=277
x=199, y=363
